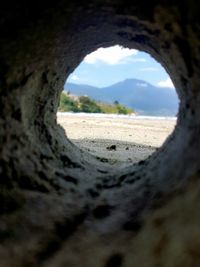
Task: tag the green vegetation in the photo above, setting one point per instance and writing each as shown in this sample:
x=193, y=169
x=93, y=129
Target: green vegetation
x=68, y=104
x=114, y=108
x=73, y=103
x=88, y=105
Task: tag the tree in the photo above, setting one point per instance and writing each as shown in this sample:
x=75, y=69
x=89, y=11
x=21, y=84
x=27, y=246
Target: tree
x=67, y=104
x=88, y=105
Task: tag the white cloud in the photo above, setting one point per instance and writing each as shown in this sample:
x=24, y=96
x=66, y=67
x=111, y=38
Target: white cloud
x=166, y=83
x=75, y=77
x=139, y=59
x=111, y=55
x=148, y=69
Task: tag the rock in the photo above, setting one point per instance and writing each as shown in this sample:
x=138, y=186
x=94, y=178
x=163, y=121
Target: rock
x=52, y=224
x=112, y=147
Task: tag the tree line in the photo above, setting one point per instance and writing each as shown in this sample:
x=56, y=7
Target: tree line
x=71, y=103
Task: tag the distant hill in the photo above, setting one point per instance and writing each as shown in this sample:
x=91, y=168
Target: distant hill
x=143, y=97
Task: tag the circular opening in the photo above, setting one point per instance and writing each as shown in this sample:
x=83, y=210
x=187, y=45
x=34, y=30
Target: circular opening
x=65, y=51
x=119, y=104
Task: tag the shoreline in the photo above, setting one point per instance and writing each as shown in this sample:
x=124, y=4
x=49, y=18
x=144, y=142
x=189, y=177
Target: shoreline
x=130, y=116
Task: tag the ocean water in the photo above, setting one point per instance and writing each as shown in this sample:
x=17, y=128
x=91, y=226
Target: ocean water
x=119, y=116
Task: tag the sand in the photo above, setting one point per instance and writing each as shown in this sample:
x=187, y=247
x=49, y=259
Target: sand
x=117, y=139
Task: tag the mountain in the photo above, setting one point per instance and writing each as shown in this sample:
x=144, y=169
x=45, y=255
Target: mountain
x=140, y=95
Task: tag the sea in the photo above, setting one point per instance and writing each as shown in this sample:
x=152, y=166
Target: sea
x=119, y=116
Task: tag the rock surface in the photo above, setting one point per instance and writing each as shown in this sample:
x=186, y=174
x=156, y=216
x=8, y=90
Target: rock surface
x=58, y=208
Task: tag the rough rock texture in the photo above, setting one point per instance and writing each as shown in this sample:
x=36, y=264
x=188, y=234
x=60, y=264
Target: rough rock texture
x=61, y=207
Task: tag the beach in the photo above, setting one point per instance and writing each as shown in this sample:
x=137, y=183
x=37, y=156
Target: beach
x=117, y=139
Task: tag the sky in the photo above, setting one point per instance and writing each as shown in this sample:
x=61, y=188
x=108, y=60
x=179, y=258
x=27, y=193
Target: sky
x=107, y=66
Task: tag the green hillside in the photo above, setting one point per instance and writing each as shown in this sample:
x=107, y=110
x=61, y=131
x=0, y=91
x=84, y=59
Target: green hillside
x=74, y=103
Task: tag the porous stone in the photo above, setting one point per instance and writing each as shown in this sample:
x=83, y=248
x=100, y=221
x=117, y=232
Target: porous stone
x=61, y=206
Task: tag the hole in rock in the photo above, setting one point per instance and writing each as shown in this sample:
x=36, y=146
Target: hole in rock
x=119, y=104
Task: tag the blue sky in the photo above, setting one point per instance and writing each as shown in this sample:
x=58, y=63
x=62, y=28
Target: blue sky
x=107, y=66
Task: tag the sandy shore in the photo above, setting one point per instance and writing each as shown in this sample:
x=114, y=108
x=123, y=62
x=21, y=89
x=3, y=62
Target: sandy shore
x=116, y=140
